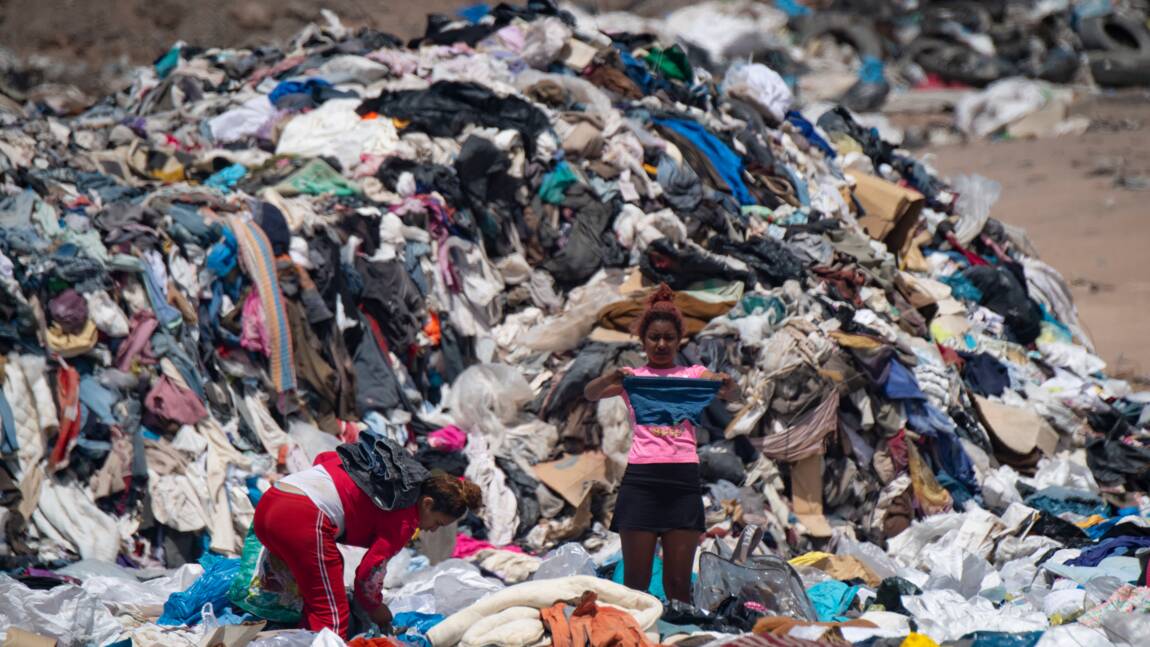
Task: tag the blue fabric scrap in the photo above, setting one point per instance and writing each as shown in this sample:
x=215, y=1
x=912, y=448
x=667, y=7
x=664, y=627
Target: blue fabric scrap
x=727, y=164
x=669, y=401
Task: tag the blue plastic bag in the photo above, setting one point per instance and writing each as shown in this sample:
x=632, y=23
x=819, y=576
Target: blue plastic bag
x=183, y=608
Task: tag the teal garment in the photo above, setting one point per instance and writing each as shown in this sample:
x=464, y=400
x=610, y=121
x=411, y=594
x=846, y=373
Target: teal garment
x=832, y=599
x=168, y=62
x=553, y=189
x=656, y=586
x=1003, y=639
x=961, y=287
x=226, y=179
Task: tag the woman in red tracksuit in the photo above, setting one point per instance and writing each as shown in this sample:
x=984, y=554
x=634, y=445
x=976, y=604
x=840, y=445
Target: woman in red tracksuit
x=303, y=516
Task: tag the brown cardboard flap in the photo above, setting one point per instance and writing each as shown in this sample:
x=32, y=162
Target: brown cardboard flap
x=807, y=495
x=233, y=635
x=20, y=638
x=573, y=476
x=892, y=211
x=1020, y=429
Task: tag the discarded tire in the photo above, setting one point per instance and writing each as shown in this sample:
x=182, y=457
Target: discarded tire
x=1120, y=70
x=957, y=63
x=845, y=28
x=1114, y=33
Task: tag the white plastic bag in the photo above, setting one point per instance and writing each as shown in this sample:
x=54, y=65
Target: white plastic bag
x=67, y=613
x=976, y=198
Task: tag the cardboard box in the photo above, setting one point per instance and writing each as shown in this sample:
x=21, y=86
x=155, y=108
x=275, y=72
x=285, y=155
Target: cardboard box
x=891, y=211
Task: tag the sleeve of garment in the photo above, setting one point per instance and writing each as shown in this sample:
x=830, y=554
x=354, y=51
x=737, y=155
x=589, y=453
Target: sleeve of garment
x=323, y=458
x=370, y=573
x=696, y=371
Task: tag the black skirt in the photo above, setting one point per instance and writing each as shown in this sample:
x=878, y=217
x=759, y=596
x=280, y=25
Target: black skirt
x=658, y=497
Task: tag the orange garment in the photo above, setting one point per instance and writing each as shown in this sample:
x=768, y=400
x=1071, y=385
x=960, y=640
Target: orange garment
x=591, y=625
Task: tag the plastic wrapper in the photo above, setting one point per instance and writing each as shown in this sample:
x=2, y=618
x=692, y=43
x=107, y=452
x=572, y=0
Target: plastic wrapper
x=870, y=555
x=976, y=197
x=568, y=559
x=141, y=599
x=946, y=615
x=67, y=613
x=487, y=398
x=444, y=589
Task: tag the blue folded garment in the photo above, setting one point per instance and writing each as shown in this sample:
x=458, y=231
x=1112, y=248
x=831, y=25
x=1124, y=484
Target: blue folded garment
x=669, y=401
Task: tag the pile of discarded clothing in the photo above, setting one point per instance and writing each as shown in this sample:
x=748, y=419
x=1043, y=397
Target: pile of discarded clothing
x=251, y=256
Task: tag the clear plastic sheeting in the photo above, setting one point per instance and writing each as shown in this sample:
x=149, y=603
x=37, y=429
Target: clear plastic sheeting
x=71, y=615
x=141, y=599
x=567, y=560
x=445, y=588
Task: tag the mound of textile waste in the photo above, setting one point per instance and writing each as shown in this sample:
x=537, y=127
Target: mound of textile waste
x=251, y=256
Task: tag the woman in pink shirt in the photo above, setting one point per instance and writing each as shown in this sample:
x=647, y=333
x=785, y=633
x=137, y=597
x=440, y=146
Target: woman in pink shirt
x=660, y=497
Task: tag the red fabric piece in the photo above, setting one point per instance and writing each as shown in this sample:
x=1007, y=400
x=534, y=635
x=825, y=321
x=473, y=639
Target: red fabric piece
x=294, y=530
x=950, y=356
x=68, y=401
x=975, y=259
x=898, y=451
x=382, y=532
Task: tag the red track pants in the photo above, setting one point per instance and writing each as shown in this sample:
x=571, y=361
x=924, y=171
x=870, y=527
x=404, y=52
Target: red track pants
x=294, y=530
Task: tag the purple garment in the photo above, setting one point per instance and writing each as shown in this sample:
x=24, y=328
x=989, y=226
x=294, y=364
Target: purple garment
x=1117, y=546
x=69, y=310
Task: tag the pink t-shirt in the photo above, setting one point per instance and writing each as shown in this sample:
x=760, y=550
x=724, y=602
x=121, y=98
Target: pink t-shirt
x=661, y=444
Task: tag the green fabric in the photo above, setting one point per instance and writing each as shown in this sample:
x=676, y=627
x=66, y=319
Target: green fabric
x=671, y=62
x=553, y=189
x=263, y=590
x=317, y=178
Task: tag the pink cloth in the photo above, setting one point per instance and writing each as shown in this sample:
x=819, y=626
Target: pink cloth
x=661, y=444
x=447, y=439
x=466, y=546
x=253, y=329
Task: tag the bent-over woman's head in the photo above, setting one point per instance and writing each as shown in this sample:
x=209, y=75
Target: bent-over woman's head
x=445, y=498
x=661, y=328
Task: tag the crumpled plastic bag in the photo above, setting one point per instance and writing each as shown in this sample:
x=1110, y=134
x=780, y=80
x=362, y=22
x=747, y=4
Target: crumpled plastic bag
x=976, y=197
x=760, y=85
x=445, y=588
x=486, y=398
x=946, y=615
x=141, y=599
x=568, y=559
x=67, y=613
x=184, y=607
x=1000, y=104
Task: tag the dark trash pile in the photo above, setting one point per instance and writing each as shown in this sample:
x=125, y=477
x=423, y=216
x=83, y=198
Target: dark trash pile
x=251, y=256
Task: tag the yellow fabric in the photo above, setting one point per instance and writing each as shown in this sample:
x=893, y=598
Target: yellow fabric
x=1092, y=520
x=862, y=342
x=66, y=345
x=918, y=640
x=809, y=559
x=932, y=497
